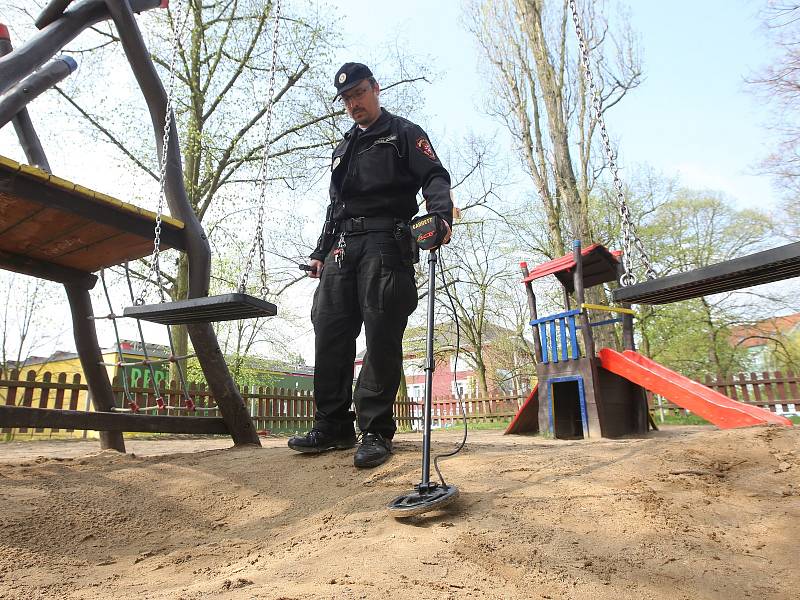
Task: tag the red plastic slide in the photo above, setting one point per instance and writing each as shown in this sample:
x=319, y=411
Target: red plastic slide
x=527, y=417
x=717, y=408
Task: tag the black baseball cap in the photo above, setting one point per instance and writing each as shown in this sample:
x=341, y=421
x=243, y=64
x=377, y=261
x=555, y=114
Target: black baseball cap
x=349, y=76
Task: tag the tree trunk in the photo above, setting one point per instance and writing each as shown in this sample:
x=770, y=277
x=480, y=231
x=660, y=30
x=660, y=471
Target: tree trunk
x=714, y=356
x=603, y=336
x=402, y=391
x=551, y=85
x=480, y=371
x=180, y=337
x=645, y=312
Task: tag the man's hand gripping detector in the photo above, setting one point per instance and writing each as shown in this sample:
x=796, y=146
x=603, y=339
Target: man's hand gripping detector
x=429, y=232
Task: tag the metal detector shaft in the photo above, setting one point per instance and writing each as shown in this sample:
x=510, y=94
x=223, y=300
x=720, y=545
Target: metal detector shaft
x=429, y=367
x=426, y=496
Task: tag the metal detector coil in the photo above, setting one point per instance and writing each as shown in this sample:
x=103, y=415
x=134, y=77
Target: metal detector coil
x=421, y=501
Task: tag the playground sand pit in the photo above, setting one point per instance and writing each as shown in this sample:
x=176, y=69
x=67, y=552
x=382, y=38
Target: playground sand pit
x=687, y=512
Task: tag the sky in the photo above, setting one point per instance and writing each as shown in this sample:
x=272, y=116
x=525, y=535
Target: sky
x=693, y=117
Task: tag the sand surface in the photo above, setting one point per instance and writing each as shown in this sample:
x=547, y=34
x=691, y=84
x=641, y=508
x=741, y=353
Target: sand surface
x=683, y=513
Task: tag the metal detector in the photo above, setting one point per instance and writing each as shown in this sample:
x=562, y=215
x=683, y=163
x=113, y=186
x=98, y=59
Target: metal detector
x=427, y=495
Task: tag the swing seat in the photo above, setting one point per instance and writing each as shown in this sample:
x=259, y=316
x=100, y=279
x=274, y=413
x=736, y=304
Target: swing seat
x=211, y=309
x=768, y=266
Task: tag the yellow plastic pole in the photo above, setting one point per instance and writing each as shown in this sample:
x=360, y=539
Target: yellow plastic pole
x=613, y=309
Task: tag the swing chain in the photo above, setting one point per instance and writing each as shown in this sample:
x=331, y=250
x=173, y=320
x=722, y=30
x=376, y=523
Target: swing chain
x=628, y=230
x=263, y=171
x=154, y=273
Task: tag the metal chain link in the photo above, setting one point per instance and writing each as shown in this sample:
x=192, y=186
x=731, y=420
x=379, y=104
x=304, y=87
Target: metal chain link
x=154, y=273
x=628, y=230
x=263, y=171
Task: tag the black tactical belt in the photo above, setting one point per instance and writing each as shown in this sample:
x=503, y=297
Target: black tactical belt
x=368, y=224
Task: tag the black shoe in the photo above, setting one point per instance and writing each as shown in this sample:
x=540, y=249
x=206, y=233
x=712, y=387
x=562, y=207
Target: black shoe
x=316, y=442
x=373, y=451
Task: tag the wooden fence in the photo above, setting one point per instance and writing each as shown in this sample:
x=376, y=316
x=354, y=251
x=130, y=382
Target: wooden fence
x=776, y=392
x=16, y=391
x=289, y=410
x=272, y=409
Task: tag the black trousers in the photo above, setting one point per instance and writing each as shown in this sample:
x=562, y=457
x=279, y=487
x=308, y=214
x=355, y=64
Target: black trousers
x=374, y=286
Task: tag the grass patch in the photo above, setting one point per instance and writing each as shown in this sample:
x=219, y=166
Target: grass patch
x=477, y=426
x=680, y=419
x=459, y=425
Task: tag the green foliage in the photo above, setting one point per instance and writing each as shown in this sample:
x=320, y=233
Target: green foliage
x=246, y=371
x=694, y=229
x=692, y=338
x=785, y=352
x=683, y=230
x=687, y=231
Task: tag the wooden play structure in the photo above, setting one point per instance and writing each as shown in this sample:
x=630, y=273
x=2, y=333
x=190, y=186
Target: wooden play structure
x=584, y=393
x=61, y=231
x=576, y=397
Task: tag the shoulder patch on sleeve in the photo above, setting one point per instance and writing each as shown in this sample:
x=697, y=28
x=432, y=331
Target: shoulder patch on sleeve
x=424, y=146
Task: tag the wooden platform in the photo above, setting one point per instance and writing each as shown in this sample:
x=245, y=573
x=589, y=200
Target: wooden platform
x=54, y=229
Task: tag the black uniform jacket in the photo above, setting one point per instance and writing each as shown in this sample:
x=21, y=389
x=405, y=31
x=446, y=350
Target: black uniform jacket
x=378, y=172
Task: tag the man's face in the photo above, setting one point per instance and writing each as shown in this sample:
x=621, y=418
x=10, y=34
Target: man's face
x=363, y=103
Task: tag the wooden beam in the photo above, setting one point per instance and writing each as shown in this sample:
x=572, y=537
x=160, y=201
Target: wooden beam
x=90, y=355
x=44, y=270
x=52, y=12
x=22, y=416
x=44, y=45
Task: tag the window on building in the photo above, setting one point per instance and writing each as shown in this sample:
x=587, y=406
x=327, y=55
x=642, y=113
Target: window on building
x=416, y=391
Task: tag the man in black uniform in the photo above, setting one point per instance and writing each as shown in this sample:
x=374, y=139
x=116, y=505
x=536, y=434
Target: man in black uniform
x=364, y=259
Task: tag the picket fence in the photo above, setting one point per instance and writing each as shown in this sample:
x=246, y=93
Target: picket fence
x=272, y=409
x=776, y=391
x=289, y=410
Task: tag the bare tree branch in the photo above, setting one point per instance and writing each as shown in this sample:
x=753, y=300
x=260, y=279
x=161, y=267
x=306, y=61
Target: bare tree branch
x=110, y=136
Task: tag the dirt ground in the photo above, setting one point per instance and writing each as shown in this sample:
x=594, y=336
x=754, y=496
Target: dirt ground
x=688, y=512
